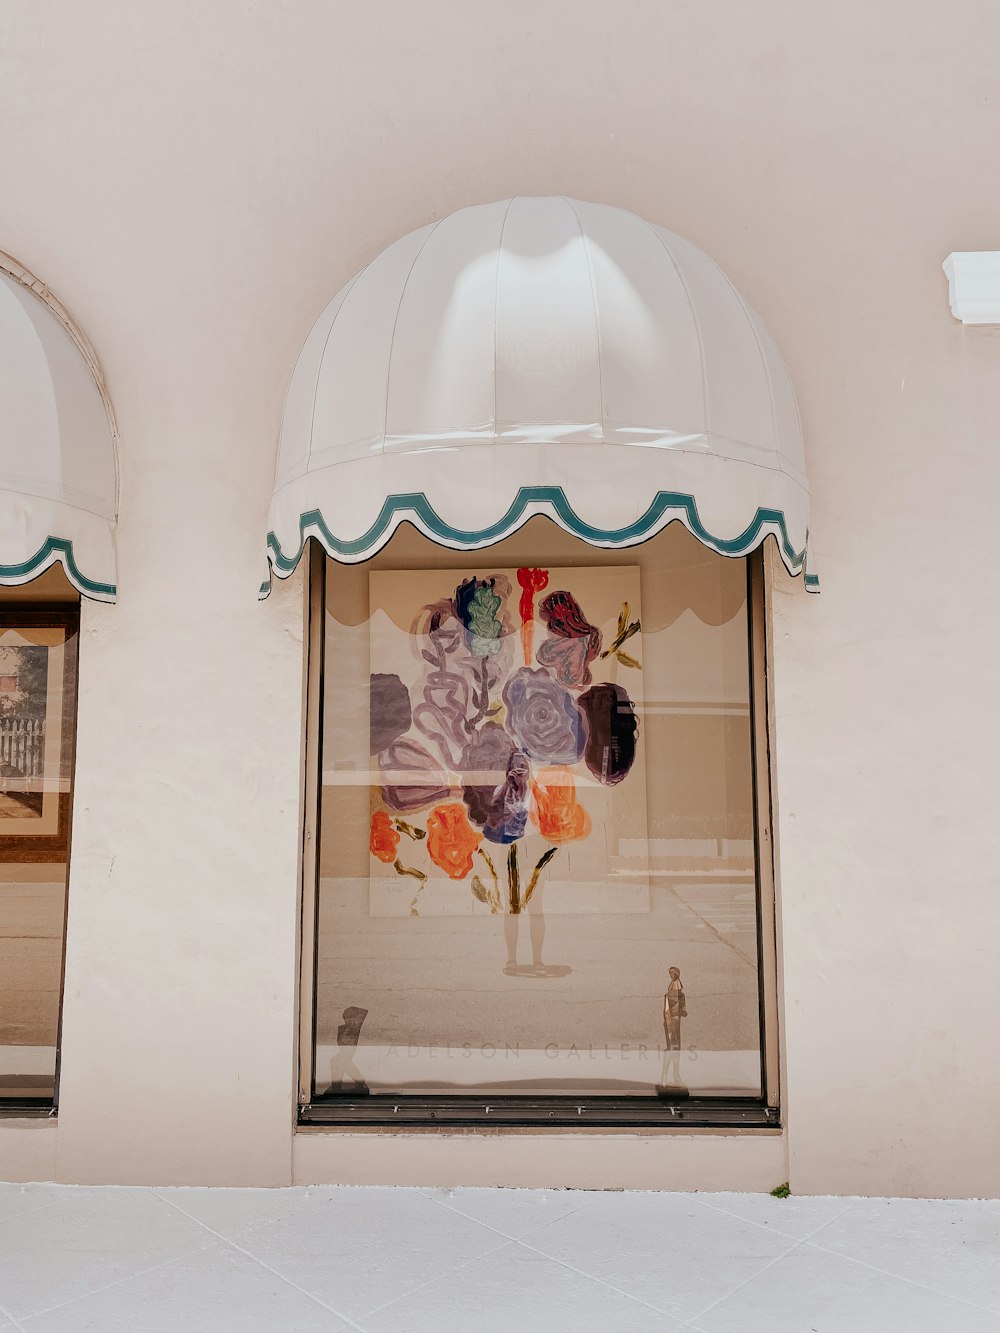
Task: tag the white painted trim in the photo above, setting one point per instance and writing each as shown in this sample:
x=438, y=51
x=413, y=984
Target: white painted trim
x=974, y=285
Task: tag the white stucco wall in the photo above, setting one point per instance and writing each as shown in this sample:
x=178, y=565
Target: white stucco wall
x=195, y=180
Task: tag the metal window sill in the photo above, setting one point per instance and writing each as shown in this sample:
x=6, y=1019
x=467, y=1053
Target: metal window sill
x=564, y=1113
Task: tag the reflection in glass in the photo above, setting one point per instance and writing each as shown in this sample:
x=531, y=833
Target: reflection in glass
x=37, y=723
x=536, y=819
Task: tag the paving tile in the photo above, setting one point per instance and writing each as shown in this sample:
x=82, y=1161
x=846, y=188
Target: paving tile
x=516, y=1288
x=953, y=1247
x=512, y=1211
x=112, y=1259
x=85, y=1239
x=17, y=1199
x=360, y=1248
x=217, y=1290
x=814, y=1291
x=232, y=1212
x=798, y=1216
x=665, y=1249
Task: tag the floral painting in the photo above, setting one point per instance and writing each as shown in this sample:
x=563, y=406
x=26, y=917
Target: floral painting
x=506, y=741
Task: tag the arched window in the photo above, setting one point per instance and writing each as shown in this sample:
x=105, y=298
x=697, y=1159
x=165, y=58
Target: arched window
x=58, y=483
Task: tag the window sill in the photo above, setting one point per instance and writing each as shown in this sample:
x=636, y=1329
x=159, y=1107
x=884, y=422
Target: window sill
x=26, y=1108
x=549, y=1113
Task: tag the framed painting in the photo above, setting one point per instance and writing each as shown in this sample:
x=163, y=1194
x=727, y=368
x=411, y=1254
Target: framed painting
x=507, y=761
x=37, y=723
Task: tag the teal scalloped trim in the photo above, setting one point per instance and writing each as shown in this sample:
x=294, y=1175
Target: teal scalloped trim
x=415, y=504
x=60, y=546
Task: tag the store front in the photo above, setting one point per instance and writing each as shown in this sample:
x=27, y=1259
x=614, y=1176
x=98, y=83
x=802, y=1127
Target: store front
x=539, y=446
x=422, y=759
x=534, y=452
x=57, y=510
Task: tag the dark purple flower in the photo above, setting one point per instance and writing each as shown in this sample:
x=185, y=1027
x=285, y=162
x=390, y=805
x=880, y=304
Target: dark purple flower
x=542, y=717
x=497, y=795
x=484, y=772
x=411, y=778
x=611, y=731
x=389, y=711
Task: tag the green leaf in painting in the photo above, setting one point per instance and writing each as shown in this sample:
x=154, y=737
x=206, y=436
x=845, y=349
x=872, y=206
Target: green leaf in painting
x=412, y=871
x=479, y=890
x=625, y=632
x=513, y=880
x=543, y=862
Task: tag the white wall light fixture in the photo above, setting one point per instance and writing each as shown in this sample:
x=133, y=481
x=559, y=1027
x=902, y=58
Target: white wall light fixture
x=974, y=285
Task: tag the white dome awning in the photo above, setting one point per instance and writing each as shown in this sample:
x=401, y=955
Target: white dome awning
x=58, y=471
x=539, y=355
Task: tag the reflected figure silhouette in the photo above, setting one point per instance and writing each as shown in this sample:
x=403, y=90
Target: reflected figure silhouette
x=344, y=1073
x=536, y=927
x=674, y=1009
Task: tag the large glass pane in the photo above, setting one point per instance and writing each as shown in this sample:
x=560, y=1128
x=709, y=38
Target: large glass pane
x=537, y=866
x=37, y=726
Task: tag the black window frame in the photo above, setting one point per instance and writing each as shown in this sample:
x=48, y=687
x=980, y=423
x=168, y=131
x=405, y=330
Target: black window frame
x=564, y=1111
x=62, y=612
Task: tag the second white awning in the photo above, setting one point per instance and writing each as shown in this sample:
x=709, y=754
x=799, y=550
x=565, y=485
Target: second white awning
x=58, y=470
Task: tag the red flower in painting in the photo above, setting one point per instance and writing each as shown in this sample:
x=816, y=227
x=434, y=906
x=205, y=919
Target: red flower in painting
x=531, y=581
x=573, y=643
x=451, y=840
x=383, y=841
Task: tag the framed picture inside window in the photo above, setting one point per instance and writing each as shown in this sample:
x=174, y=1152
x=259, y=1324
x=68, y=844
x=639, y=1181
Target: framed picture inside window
x=37, y=723
x=507, y=774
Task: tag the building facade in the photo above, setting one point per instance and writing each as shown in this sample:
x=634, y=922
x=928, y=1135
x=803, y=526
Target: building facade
x=196, y=184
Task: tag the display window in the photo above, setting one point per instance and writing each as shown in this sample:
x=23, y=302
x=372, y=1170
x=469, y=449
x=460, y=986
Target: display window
x=538, y=885
x=38, y=674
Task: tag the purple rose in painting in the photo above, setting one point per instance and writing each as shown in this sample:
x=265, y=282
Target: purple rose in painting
x=611, y=731
x=411, y=778
x=498, y=805
x=484, y=770
x=542, y=717
x=389, y=715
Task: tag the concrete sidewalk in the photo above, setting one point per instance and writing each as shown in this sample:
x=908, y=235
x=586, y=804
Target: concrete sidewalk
x=491, y=1261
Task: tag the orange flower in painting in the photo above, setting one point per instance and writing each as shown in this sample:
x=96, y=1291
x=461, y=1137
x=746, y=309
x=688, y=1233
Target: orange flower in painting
x=555, y=811
x=383, y=840
x=451, y=840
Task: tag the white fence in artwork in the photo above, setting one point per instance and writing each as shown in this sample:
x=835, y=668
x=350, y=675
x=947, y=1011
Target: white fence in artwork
x=22, y=747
